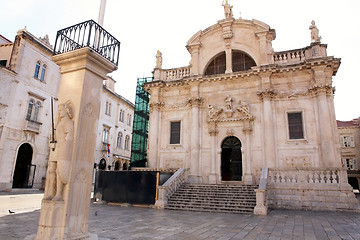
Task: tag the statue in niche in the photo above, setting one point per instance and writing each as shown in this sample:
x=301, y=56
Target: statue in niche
x=314, y=32
x=59, y=165
x=227, y=9
x=158, y=59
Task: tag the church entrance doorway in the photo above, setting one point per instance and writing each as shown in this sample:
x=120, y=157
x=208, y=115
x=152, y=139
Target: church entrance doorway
x=231, y=159
x=24, y=172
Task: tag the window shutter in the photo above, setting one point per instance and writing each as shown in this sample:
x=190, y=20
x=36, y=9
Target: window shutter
x=295, y=125
x=352, y=142
x=175, y=132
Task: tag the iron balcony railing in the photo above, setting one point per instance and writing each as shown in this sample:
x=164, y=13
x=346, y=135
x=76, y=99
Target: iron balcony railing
x=88, y=34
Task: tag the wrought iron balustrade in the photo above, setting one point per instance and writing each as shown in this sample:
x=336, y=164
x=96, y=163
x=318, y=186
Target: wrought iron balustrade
x=88, y=34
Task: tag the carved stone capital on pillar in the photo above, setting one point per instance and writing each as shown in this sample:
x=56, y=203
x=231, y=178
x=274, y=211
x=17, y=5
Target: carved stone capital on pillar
x=196, y=101
x=321, y=89
x=266, y=94
x=156, y=106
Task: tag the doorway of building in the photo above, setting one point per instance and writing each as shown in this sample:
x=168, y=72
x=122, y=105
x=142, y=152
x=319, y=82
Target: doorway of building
x=102, y=164
x=231, y=159
x=24, y=172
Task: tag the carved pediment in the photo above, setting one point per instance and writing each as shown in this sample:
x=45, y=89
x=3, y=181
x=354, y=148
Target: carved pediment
x=230, y=111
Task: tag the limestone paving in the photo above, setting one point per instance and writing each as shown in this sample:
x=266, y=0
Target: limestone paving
x=119, y=222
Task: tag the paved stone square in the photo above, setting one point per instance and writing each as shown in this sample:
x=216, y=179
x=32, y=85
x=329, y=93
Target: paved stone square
x=119, y=222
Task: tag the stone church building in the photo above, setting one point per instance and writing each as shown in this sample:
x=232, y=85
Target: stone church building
x=240, y=106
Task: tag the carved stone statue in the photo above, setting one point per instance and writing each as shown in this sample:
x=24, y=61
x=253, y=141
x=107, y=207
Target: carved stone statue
x=227, y=9
x=158, y=59
x=59, y=165
x=228, y=102
x=314, y=32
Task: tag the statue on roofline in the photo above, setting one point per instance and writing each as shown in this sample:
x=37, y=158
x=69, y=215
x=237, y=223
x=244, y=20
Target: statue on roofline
x=314, y=32
x=227, y=9
x=158, y=59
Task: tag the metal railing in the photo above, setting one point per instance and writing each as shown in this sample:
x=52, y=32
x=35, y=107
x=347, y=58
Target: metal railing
x=88, y=34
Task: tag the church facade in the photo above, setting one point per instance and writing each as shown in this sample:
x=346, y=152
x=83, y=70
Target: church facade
x=240, y=106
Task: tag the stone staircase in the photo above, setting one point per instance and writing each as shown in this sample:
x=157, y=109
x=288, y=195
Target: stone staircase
x=214, y=198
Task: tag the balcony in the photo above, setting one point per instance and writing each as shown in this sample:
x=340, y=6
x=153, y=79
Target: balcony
x=88, y=34
x=33, y=126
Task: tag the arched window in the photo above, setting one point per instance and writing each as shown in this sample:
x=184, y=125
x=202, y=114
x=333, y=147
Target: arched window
x=37, y=70
x=241, y=61
x=119, y=140
x=127, y=141
x=217, y=65
x=43, y=70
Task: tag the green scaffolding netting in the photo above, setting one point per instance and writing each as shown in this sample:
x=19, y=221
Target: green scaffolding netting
x=140, y=125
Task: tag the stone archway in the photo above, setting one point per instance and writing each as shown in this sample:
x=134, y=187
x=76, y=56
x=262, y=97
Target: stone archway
x=24, y=172
x=231, y=159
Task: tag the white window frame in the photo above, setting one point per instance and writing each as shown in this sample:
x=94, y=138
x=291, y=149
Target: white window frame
x=106, y=134
x=347, y=141
x=127, y=142
x=119, y=140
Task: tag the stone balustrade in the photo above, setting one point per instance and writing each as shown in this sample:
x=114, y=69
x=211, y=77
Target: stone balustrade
x=288, y=57
x=172, y=74
x=177, y=73
x=170, y=186
x=326, y=176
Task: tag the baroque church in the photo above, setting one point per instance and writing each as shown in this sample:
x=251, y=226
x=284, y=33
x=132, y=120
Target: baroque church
x=240, y=107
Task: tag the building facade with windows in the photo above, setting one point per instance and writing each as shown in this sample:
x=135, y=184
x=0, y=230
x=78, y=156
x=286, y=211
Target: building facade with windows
x=349, y=133
x=241, y=112
x=29, y=80
x=113, y=149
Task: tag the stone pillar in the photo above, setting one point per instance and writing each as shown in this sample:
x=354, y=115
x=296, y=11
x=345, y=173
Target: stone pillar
x=330, y=157
x=195, y=103
x=213, y=133
x=64, y=214
x=154, y=122
x=194, y=50
x=266, y=95
x=228, y=54
x=248, y=177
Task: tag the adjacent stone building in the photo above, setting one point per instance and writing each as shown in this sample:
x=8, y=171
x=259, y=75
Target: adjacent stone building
x=240, y=106
x=113, y=147
x=349, y=132
x=29, y=79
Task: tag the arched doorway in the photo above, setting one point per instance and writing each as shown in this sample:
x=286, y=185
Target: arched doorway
x=117, y=166
x=231, y=159
x=24, y=172
x=102, y=164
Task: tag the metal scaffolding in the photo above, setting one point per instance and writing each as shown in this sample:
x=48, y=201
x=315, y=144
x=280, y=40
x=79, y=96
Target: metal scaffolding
x=140, y=125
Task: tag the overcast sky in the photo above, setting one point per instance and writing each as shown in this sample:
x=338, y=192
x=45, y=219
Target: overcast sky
x=145, y=26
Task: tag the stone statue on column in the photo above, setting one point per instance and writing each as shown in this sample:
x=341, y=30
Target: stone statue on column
x=59, y=165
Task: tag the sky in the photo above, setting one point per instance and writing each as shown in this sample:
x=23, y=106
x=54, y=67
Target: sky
x=145, y=26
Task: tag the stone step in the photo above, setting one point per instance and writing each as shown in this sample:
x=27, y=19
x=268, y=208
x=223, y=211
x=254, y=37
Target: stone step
x=214, y=198
x=212, y=209
x=218, y=197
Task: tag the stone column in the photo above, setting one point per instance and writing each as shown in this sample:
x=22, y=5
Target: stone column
x=213, y=133
x=248, y=177
x=228, y=53
x=266, y=95
x=194, y=50
x=154, y=122
x=64, y=215
x=195, y=103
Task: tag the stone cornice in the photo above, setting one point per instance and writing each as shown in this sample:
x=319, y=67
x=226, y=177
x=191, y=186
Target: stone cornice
x=156, y=106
